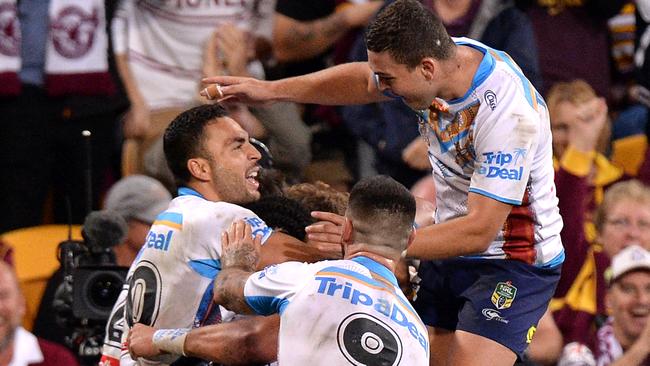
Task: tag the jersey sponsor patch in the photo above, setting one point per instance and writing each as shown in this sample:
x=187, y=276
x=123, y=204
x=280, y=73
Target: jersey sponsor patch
x=331, y=286
x=503, y=165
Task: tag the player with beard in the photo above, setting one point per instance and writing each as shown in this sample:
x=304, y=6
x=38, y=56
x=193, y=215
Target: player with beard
x=170, y=283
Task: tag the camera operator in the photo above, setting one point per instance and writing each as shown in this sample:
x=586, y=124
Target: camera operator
x=135, y=199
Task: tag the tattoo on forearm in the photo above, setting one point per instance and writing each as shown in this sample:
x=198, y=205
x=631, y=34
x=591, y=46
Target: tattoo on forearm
x=334, y=26
x=330, y=27
x=229, y=289
x=243, y=256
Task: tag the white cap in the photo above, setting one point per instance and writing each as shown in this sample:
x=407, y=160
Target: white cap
x=628, y=259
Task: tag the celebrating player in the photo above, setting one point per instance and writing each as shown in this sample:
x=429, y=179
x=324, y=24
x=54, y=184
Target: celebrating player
x=170, y=282
x=489, y=139
x=349, y=311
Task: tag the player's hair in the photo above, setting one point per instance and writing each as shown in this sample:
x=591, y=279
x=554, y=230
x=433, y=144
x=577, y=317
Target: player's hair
x=283, y=214
x=382, y=212
x=631, y=190
x=576, y=92
x=183, y=139
x=409, y=32
x=319, y=196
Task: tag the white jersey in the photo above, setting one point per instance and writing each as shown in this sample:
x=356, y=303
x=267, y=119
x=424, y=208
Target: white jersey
x=339, y=313
x=496, y=141
x=169, y=285
x=164, y=41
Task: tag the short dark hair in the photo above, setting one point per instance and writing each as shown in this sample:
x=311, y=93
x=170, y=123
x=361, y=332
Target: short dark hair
x=183, y=139
x=409, y=32
x=382, y=211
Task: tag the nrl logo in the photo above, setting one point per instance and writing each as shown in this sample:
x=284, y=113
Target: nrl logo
x=503, y=295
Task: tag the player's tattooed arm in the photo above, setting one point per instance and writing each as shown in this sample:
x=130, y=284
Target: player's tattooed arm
x=229, y=290
x=239, y=259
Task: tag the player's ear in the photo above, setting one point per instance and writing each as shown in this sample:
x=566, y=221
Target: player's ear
x=199, y=168
x=411, y=237
x=428, y=67
x=346, y=235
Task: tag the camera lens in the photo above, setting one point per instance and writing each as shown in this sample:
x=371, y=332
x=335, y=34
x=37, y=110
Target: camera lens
x=95, y=290
x=104, y=290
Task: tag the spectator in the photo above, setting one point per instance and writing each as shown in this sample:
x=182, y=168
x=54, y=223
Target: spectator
x=304, y=31
x=498, y=24
x=624, y=339
x=572, y=40
x=159, y=54
x=18, y=346
x=139, y=200
x=581, y=130
x=56, y=81
x=622, y=220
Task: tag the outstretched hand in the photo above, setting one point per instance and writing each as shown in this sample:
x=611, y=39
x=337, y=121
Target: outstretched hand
x=241, y=89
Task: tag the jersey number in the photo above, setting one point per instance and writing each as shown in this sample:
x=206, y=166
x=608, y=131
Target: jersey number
x=116, y=326
x=143, y=300
x=366, y=340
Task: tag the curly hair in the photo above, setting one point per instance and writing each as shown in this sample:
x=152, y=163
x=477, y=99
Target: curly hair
x=319, y=196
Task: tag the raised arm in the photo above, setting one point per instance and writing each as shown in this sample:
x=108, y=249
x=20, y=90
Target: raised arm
x=350, y=83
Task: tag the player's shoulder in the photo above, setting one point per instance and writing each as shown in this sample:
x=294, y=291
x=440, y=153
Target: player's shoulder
x=341, y=266
x=321, y=267
x=197, y=210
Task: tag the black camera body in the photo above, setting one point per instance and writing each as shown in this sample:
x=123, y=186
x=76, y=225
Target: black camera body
x=92, y=283
x=95, y=289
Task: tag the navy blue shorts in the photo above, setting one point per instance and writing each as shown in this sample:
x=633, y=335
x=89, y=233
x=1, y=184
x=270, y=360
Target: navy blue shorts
x=497, y=299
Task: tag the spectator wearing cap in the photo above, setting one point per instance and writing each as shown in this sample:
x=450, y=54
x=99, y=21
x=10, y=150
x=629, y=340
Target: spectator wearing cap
x=138, y=199
x=624, y=339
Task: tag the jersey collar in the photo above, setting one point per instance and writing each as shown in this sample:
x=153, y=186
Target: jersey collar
x=376, y=268
x=186, y=191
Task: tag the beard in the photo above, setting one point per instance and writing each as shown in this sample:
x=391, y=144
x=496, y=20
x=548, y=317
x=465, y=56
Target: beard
x=230, y=187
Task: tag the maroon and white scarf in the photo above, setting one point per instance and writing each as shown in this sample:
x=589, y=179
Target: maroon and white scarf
x=608, y=347
x=76, y=54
